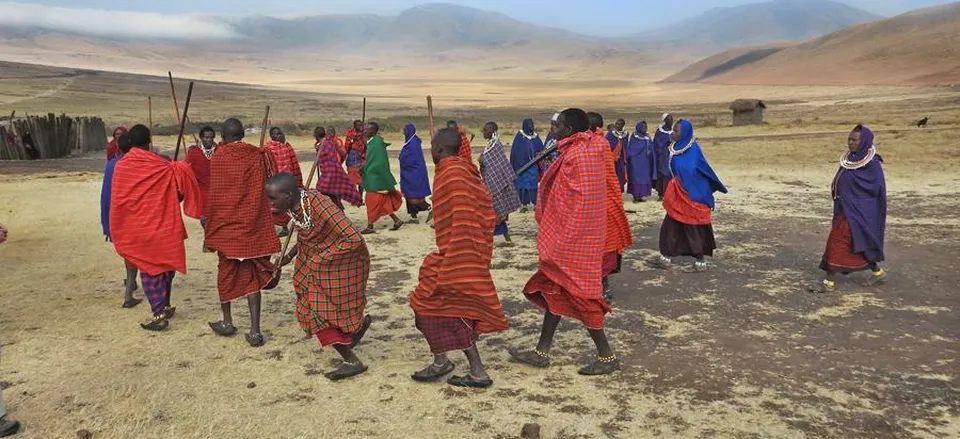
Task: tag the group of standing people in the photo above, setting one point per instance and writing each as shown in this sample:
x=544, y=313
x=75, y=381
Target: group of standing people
x=240, y=192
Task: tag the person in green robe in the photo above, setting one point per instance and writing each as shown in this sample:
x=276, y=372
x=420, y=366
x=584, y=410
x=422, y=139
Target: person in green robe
x=382, y=197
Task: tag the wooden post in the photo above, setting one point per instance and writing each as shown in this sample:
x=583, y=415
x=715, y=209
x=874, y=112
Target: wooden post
x=183, y=122
x=433, y=127
x=150, y=118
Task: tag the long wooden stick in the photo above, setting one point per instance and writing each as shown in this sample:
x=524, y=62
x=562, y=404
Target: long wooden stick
x=433, y=127
x=363, y=114
x=176, y=106
x=183, y=122
x=263, y=126
x=286, y=243
x=150, y=118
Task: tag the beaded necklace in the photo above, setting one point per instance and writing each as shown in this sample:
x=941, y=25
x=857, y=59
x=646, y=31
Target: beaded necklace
x=306, y=223
x=845, y=162
x=529, y=137
x=208, y=153
x=620, y=134
x=680, y=151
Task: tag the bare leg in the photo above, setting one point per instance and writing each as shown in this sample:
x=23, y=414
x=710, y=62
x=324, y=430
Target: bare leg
x=253, y=302
x=477, y=370
x=600, y=339
x=130, y=284
x=227, y=314
x=549, y=329
x=347, y=353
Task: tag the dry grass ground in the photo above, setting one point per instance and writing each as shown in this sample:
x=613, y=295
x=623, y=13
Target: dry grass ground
x=739, y=352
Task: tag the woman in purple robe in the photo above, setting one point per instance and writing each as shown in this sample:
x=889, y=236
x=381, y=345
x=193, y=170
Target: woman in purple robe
x=414, y=182
x=859, y=193
x=641, y=163
x=661, y=148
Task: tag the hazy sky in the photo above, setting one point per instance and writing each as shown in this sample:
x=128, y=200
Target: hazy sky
x=606, y=17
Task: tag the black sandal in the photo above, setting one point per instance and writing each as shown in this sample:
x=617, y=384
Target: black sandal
x=357, y=336
x=223, y=329
x=469, y=381
x=531, y=358
x=603, y=366
x=156, y=325
x=9, y=428
x=396, y=226
x=255, y=340
x=424, y=376
x=346, y=370
x=133, y=302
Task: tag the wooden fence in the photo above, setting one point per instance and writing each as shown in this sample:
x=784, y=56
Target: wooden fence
x=51, y=137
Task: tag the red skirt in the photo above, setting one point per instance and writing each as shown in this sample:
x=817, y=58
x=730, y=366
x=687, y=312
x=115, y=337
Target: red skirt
x=839, y=256
x=546, y=294
x=381, y=205
x=237, y=279
x=330, y=336
x=447, y=334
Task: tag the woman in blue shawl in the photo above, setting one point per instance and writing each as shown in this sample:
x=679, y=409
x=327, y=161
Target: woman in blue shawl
x=687, y=229
x=641, y=163
x=414, y=182
x=130, y=283
x=526, y=145
x=859, y=193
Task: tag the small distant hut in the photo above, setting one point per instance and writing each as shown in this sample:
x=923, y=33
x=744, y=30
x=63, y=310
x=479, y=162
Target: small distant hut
x=747, y=112
x=39, y=137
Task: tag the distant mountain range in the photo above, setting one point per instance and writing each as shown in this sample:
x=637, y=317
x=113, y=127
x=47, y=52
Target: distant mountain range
x=921, y=47
x=761, y=23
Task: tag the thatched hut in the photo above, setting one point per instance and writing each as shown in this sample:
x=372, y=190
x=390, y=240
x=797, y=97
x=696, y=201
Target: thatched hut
x=747, y=111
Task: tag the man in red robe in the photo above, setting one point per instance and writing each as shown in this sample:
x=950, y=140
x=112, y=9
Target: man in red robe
x=465, y=151
x=356, y=156
x=456, y=300
x=284, y=159
x=571, y=217
x=113, y=147
x=239, y=229
x=618, y=235
x=146, y=224
x=198, y=157
x=331, y=133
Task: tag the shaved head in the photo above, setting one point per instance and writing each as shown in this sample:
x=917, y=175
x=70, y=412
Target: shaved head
x=232, y=130
x=596, y=120
x=445, y=144
x=283, y=190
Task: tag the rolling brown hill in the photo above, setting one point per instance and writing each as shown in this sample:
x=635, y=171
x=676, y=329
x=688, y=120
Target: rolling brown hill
x=917, y=48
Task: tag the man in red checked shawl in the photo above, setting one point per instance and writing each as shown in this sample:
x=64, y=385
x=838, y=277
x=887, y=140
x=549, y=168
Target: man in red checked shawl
x=330, y=274
x=239, y=229
x=333, y=181
x=284, y=159
x=618, y=236
x=198, y=157
x=146, y=225
x=572, y=220
x=356, y=154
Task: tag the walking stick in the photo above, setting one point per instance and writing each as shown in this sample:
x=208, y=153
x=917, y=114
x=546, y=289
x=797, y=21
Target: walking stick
x=275, y=280
x=176, y=106
x=537, y=159
x=433, y=128
x=150, y=117
x=183, y=122
x=363, y=115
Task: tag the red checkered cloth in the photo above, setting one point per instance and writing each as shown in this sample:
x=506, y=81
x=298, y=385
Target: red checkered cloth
x=572, y=221
x=465, y=151
x=499, y=177
x=284, y=160
x=240, y=278
x=331, y=270
x=146, y=224
x=682, y=209
x=333, y=180
x=237, y=223
x=447, y=334
x=455, y=280
x=617, y=236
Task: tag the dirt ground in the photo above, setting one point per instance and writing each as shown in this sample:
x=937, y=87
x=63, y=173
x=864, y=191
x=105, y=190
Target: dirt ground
x=742, y=351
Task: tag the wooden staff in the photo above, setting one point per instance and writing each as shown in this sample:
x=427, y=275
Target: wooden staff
x=433, y=128
x=150, y=118
x=263, y=126
x=176, y=106
x=183, y=122
x=546, y=153
x=363, y=115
